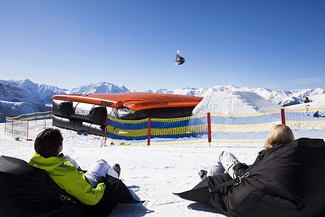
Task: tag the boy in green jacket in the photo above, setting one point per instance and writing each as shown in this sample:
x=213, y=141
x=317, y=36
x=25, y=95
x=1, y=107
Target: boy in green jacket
x=66, y=173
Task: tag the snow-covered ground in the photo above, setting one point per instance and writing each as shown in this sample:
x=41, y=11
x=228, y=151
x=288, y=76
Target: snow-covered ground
x=153, y=172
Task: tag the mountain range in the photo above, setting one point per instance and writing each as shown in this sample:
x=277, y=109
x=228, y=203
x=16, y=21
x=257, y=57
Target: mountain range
x=25, y=96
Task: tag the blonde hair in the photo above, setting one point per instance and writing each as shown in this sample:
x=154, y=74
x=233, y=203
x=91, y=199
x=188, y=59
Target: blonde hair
x=279, y=134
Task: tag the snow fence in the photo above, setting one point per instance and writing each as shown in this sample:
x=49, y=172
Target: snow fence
x=18, y=126
x=202, y=128
x=216, y=127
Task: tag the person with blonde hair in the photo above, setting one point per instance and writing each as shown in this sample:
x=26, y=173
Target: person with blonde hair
x=285, y=180
x=279, y=134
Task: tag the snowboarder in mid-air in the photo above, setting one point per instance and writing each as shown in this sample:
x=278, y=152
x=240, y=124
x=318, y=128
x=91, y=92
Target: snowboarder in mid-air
x=179, y=60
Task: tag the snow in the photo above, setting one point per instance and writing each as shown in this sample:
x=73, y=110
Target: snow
x=318, y=101
x=233, y=102
x=153, y=172
x=102, y=87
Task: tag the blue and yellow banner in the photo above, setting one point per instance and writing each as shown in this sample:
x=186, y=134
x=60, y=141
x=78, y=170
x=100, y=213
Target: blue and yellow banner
x=18, y=126
x=252, y=127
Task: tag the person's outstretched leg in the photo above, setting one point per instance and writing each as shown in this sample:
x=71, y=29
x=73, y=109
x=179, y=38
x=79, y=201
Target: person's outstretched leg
x=216, y=169
x=99, y=169
x=228, y=161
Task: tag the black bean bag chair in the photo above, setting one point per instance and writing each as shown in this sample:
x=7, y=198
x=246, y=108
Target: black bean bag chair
x=26, y=191
x=284, y=181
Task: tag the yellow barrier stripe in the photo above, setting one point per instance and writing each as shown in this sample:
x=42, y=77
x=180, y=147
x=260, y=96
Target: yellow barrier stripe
x=179, y=130
x=247, y=114
x=28, y=119
x=29, y=114
x=199, y=115
x=177, y=119
x=304, y=110
x=217, y=114
x=243, y=128
x=158, y=131
x=42, y=112
x=306, y=125
x=194, y=129
x=156, y=119
x=23, y=119
x=31, y=118
x=12, y=134
x=43, y=116
x=127, y=121
x=17, y=128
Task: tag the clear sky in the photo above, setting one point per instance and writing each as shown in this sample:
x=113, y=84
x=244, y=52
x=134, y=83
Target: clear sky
x=276, y=44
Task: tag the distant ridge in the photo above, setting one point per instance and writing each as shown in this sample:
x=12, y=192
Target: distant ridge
x=17, y=97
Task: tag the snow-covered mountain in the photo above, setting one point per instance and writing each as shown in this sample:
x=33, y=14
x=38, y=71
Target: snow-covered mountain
x=27, y=91
x=17, y=97
x=102, y=87
x=280, y=98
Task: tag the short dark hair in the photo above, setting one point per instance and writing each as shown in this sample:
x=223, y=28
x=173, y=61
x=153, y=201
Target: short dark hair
x=47, y=142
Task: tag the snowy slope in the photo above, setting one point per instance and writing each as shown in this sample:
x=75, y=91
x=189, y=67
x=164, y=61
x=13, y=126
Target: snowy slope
x=155, y=172
x=233, y=102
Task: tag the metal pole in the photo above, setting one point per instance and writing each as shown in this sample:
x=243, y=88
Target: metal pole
x=283, y=119
x=149, y=130
x=209, y=127
x=106, y=130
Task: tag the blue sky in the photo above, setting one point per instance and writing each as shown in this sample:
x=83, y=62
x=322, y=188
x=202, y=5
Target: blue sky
x=278, y=44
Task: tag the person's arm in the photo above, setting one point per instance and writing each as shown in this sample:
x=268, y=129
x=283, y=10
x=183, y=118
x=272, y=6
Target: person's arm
x=67, y=157
x=240, y=169
x=75, y=183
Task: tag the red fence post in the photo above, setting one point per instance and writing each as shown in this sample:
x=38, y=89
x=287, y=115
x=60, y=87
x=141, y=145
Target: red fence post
x=283, y=118
x=12, y=127
x=106, y=129
x=149, y=130
x=27, y=132
x=209, y=127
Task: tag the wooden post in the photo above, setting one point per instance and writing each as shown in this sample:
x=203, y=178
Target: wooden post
x=209, y=127
x=283, y=119
x=149, y=131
